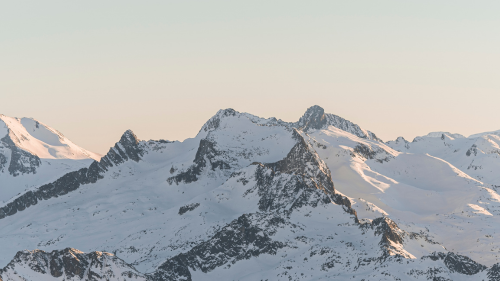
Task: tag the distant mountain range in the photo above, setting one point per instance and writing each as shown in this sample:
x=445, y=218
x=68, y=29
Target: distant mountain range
x=250, y=198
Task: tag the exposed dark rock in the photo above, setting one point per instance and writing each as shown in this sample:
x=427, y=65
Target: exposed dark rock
x=240, y=239
x=3, y=162
x=390, y=232
x=21, y=161
x=311, y=172
x=388, y=229
x=494, y=272
x=206, y=151
x=367, y=152
x=187, y=208
x=70, y=263
x=458, y=263
x=284, y=194
x=315, y=118
x=364, y=151
x=472, y=150
x=127, y=148
x=462, y=264
x=214, y=122
x=303, y=160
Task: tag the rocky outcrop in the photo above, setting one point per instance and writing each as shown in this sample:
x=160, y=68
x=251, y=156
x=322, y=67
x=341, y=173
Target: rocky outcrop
x=3, y=162
x=21, y=161
x=214, y=122
x=392, y=237
x=280, y=193
x=494, y=272
x=315, y=118
x=472, y=150
x=67, y=183
x=367, y=152
x=206, y=152
x=127, y=148
x=188, y=208
x=70, y=264
x=241, y=239
x=309, y=173
x=460, y=264
x=300, y=179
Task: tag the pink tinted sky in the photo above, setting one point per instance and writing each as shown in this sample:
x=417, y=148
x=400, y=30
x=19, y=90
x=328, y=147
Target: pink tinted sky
x=94, y=69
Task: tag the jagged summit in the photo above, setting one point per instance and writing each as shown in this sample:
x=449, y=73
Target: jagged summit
x=251, y=198
x=32, y=154
x=314, y=118
x=129, y=138
x=214, y=122
x=70, y=264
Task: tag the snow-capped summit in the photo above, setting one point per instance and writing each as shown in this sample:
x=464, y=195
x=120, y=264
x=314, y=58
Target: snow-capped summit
x=399, y=144
x=251, y=198
x=41, y=140
x=315, y=118
x=441, y=134
x=485, y=133
x=32, y=154
x=70, y=264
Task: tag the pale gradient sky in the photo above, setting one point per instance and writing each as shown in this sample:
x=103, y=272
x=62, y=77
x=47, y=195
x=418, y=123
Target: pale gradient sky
x=92, y=69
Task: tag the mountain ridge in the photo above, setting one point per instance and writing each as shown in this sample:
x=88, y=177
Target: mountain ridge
x=249, y=197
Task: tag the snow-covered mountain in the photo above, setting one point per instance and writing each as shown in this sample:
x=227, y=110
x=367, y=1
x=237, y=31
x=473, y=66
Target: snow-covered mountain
x=251, y=198
x=32, y=154
x=478, y=155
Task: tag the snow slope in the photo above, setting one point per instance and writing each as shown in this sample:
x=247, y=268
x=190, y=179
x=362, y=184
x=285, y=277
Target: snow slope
x=32, y=154
x=253, y=199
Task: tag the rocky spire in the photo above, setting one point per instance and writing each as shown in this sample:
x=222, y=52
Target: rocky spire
x=314, y=118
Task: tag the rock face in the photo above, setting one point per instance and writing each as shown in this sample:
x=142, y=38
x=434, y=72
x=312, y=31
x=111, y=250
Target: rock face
x=460, y=264
x=25, y=141
x=240, y=239
x=251, y=199
x=206, y=153
x=127, y=148
x=69, y=264
x=315, y=118
x=21, y=161
x=494, y=272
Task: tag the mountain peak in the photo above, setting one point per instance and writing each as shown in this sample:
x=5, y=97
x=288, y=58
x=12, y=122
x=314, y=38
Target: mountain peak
x=441, y=134
x=313, y=118
x=129, y=138
x=214, y=122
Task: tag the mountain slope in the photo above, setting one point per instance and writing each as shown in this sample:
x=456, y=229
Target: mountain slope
x=32, y=154
x=251, y=198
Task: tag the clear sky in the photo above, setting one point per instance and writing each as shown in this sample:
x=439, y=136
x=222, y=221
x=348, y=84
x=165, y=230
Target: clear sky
x=93, y=69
